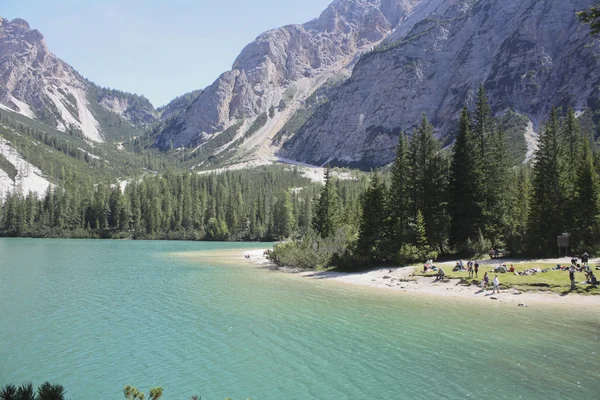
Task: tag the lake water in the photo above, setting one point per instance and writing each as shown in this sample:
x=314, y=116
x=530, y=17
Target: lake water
x=97, y=315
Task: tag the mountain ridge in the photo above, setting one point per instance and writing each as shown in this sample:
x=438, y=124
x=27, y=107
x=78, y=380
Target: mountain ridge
x=530, y=56
x=283, y=67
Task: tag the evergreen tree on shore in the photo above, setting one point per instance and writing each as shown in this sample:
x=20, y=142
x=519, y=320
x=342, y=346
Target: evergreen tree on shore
x=283, y=216
x=398, y=201
x=545, y=220
x=428, y=180
x=372, y=232
x=465, y=186
x=482, y=122
x=497, y=187
x=586, y=208
x=327, y=213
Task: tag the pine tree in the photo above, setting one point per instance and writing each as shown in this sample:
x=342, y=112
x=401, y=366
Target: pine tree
x=398, y=200
x=570, y=143
x=545, y=220
x=283, y=217
x=327, y=214
x=427, y=186
x=371, y=237
x=586, y=200
x=466, y=186
x=420, y=237
x=482, y=121
x=518, y=209
x=496, y=187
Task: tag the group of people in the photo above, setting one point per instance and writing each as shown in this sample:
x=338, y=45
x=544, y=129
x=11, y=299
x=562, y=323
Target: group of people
x=471, y=267
x=485, y=282
x=590, y=277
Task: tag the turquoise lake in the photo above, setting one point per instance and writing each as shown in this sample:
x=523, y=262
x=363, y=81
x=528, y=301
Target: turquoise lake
x=97, y=315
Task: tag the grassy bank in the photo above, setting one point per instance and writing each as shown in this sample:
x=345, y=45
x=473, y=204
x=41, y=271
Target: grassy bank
x=551, y=281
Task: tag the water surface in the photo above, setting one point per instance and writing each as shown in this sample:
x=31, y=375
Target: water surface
x=97, y=315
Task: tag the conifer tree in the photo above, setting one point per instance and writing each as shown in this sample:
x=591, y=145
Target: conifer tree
x=371, y=237
x=283, y=217
x=482, y=121
x=428, y=183
x=466, y=186
x=586, y=203
x=547, y=203
x=570, y=143
x=518, y=209
x=327, y=215
x=398, y=200
x=496, y=186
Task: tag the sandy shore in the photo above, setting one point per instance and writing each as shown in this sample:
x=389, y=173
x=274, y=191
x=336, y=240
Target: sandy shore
x=401, y=280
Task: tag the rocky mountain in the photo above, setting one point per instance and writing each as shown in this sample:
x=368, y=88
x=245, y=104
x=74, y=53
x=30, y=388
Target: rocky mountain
x=531, y=55
x=282, y=68
x=178, y=104
x=37, y=84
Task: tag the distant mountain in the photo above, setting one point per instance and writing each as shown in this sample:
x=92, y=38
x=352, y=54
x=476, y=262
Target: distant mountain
x=275, y=74
x=340, y=88
x=37, y=84
x=178, y=104
x=531, y=55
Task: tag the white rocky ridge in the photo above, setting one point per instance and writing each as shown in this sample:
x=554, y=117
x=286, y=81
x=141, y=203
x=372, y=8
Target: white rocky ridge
x=37, y=84
x=28, y=179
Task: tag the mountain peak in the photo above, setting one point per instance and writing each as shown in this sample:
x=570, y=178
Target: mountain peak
x=36, y=83
x=20, y=22
x=281, y=69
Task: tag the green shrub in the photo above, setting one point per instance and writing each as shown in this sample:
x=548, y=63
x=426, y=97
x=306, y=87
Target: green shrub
x=409, y=254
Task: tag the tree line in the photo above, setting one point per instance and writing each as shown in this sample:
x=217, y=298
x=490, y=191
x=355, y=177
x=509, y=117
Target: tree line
x=261, y=204
x=464, y=201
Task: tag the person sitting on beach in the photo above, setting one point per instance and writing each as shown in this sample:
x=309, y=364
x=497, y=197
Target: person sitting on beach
x=512, y=269
x=441, y=274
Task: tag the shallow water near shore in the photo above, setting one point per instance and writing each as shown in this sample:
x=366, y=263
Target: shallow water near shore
x=97, y=315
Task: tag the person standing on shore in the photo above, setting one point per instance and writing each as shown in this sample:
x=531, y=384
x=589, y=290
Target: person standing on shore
x=470, y=268
x=476, y=268
x=585, y=258
x=572, y=277
x=496, y=283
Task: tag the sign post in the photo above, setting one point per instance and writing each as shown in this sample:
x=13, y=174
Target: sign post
x=563, y=242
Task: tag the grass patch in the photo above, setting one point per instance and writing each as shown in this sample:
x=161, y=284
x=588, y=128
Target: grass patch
x=551, y=281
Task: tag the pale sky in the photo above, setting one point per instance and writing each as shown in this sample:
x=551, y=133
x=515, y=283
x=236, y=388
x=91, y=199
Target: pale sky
x=160, y=49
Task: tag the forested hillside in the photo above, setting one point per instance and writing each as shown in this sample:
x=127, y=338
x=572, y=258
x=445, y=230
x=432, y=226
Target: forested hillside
x=466, y=202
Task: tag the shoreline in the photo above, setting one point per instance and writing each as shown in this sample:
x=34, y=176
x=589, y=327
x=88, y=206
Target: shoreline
x=401, y=280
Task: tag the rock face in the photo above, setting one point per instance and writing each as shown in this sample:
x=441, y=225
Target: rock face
x=178, y=104
x=35, y=83
x=282, y=67
x=531, y=55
